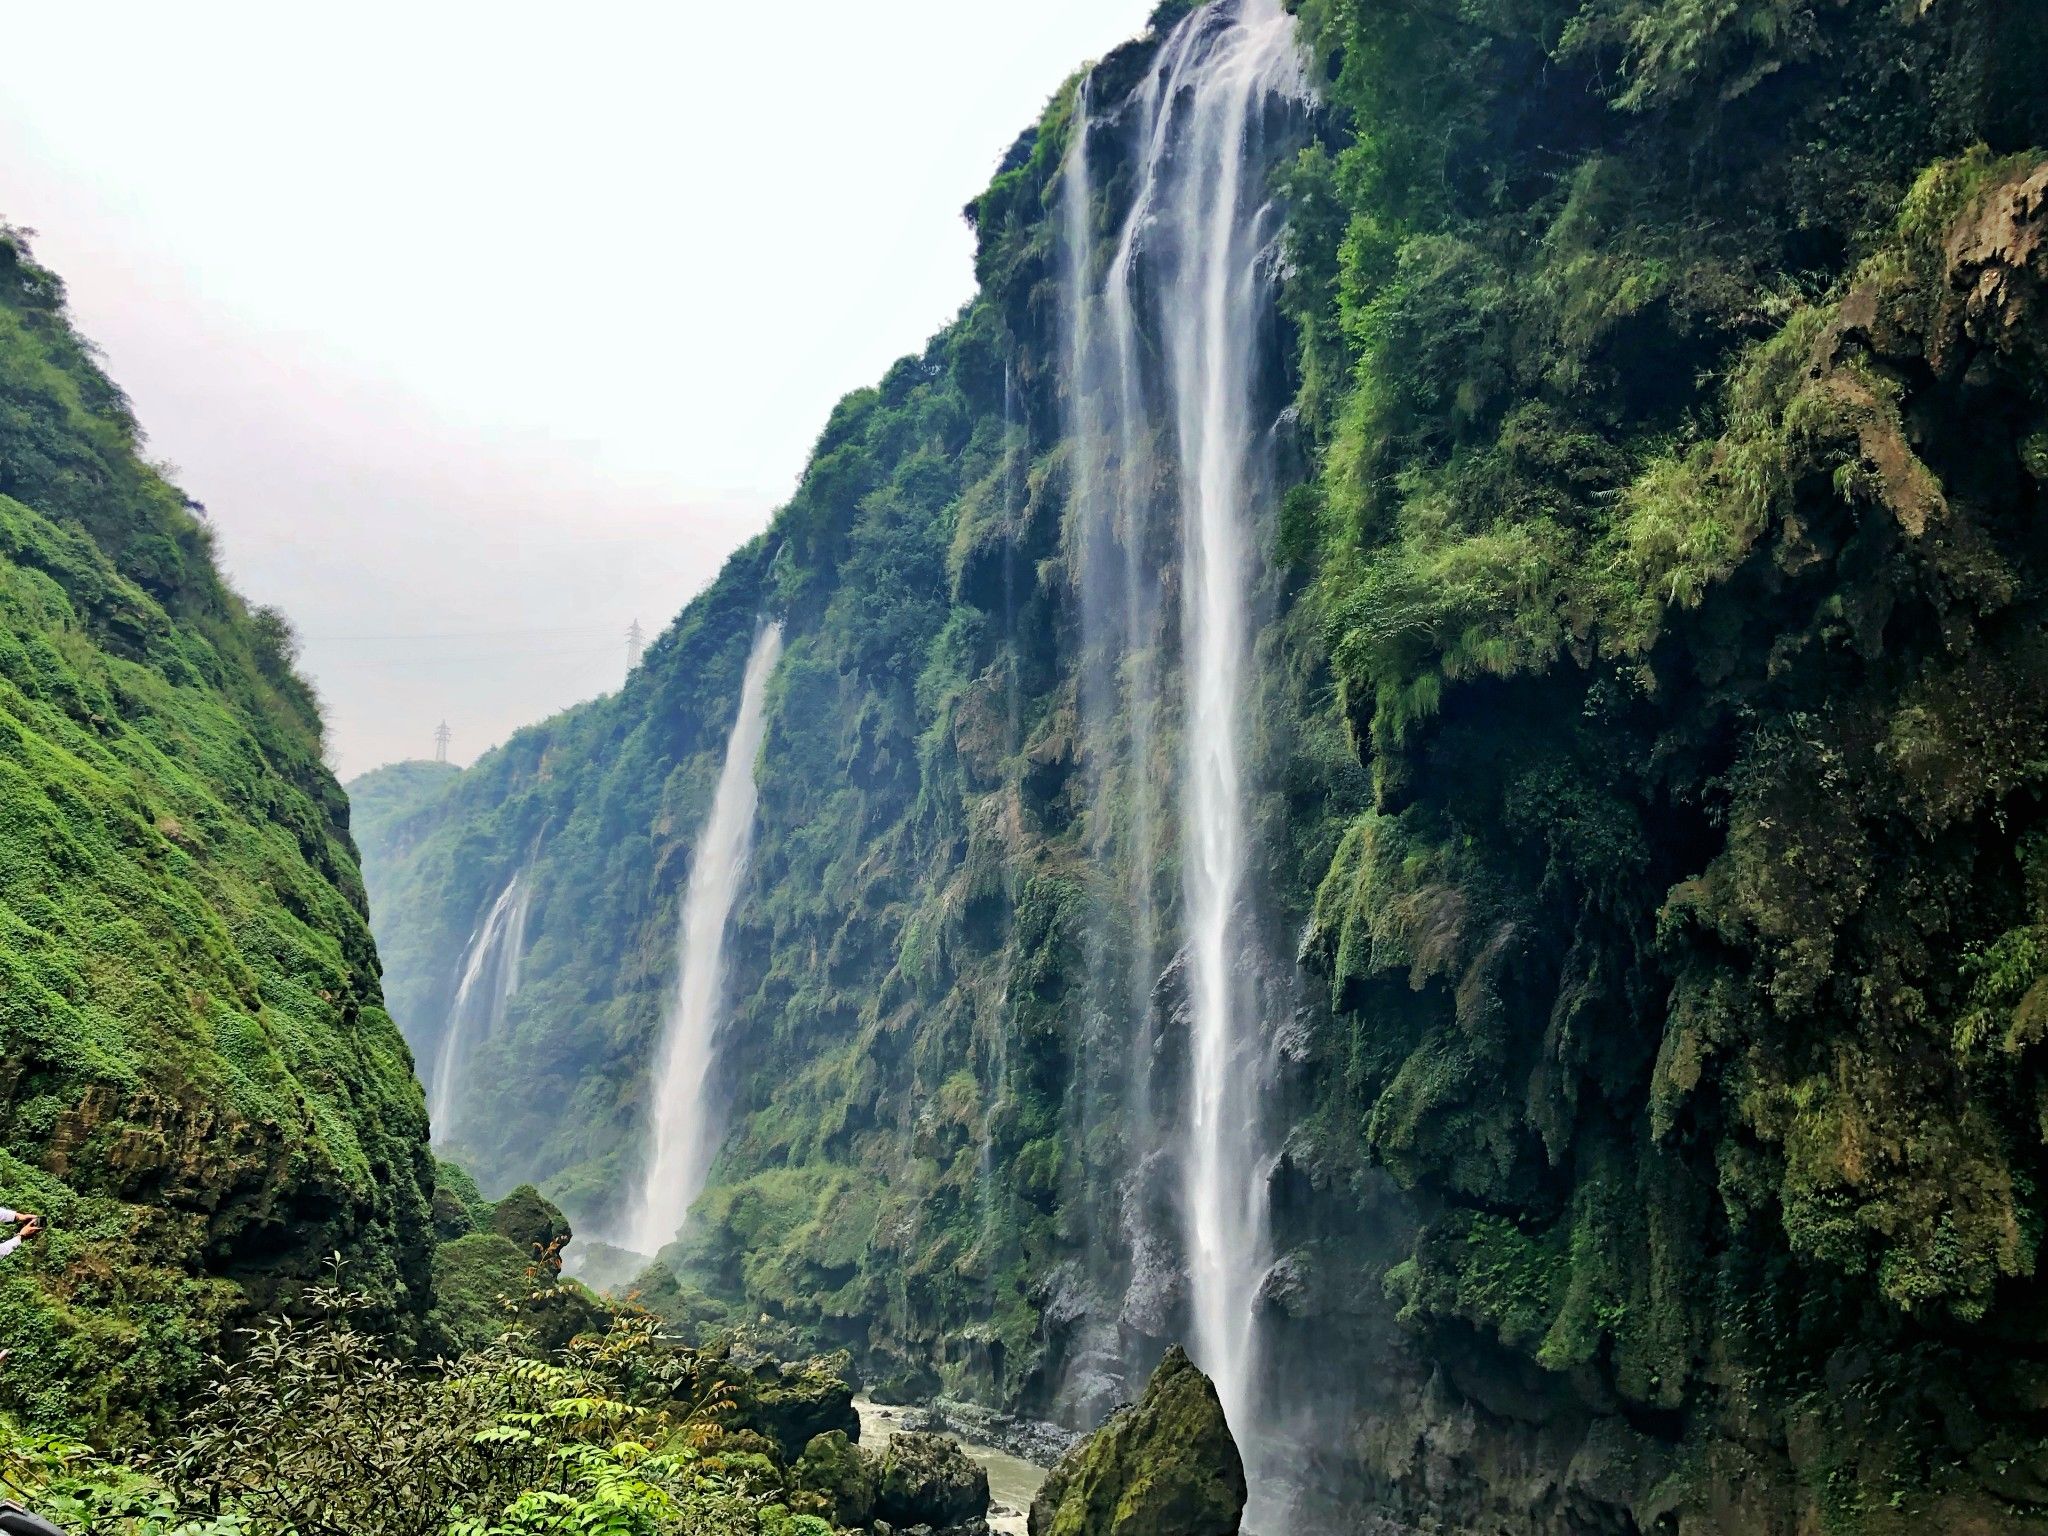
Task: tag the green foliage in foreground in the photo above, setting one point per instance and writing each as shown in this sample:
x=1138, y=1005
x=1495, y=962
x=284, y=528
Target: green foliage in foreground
x=316, y=1429
x=198, y=1082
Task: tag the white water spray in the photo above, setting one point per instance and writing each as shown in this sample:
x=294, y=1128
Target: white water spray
x=490, y=980
x=681, y=1128
x=1192, y=268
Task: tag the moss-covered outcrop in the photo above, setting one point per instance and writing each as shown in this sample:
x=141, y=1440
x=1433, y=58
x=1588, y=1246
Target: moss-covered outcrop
x=792, y=1402
x=1654, y=776
x=1677, y=550
x=840, y=1475
x=459, y=1206
x=1166, y=1467
x=199, y=1085
x=502, y=1272
x=530, y=1222
x=929, y=1480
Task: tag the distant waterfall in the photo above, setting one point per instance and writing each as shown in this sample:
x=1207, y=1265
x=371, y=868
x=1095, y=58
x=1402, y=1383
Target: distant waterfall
x=681, y=1134
x=490, y=980
x=1184, y=305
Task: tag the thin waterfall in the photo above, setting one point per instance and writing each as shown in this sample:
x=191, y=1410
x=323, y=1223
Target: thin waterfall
x=1186, y=301
x=1214, y=320
x=1121, y=623
x=681, y=1133
x=1016, y=491
x=1143, y=614
x=1089, y=539
x=1095, y=1365
x=489, y=982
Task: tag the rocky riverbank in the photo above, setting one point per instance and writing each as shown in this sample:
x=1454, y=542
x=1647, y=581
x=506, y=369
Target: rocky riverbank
x=992, y=1443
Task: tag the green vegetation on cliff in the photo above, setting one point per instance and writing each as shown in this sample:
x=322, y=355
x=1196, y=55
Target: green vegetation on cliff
x=884, y=872
x=1676, y=378
x=199, y=1085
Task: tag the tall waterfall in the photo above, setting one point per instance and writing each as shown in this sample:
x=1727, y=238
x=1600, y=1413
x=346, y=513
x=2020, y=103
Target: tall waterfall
x=490, y=980
x=681, y=1131
x=1164, y=366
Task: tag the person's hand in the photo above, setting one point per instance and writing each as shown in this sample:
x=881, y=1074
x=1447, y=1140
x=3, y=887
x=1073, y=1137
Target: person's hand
x=31, y=1227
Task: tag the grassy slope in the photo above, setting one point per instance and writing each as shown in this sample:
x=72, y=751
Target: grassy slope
x=200, y=1085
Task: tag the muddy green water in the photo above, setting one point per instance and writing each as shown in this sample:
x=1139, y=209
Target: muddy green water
x=1012, y=1483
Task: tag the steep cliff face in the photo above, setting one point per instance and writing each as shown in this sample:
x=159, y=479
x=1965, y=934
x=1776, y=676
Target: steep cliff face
x=198, y=1083
x=1679, y=545
x=1644, y=738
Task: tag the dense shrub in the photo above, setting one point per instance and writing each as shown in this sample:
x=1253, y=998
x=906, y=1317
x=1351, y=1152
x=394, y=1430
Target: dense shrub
x=315, y=1428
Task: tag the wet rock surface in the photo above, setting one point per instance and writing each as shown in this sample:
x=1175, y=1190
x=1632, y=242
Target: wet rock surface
x=793, y=1403
x=1032, y=1440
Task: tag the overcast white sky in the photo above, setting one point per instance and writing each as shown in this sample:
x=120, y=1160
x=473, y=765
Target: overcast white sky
x=483, y=330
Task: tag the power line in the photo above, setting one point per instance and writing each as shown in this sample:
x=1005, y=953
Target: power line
x=442, y=736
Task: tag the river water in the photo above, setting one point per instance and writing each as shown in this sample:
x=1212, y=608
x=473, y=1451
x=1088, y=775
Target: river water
x=1012, y=1482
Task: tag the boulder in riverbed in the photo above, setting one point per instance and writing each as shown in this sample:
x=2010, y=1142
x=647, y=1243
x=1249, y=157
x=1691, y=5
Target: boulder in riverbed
x=929, y=1480
x=793, y=1403
x=1167, y=1467
x=841, y=1475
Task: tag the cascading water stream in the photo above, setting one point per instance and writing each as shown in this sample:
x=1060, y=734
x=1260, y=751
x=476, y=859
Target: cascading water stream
x=489, y=981
x=680, y=1128
x=1210, y=339
x=1121, y=618
x=1185, y=302
x=1091, y=539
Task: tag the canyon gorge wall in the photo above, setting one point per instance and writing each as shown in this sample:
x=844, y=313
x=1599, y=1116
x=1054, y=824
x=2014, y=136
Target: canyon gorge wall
x=1414, y=754
x=200, y=1088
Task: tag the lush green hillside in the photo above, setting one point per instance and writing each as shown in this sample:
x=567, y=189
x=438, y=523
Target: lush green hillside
x=199, y=1085
x=385, y=815
x=382, y=803
x=1655, y=759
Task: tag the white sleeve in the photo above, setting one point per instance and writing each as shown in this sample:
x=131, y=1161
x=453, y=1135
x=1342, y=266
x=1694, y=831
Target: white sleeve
x=9, y=1246
x=7, y=1217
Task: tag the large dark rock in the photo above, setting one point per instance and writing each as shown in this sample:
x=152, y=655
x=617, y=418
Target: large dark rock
x=1167, y=1467
x=791, y=1404
x=929, y=1480
x=841, y=1476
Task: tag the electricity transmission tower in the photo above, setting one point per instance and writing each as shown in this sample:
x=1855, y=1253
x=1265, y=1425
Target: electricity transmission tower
x=636, y=642
x=442, y=736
